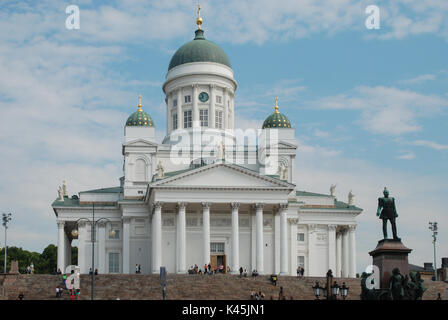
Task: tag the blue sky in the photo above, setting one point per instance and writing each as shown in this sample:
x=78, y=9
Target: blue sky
x=369, y=106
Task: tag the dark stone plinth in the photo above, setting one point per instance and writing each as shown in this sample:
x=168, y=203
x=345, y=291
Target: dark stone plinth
x=388, y=255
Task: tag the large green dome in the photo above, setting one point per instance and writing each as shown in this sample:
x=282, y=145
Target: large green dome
x=199, y=50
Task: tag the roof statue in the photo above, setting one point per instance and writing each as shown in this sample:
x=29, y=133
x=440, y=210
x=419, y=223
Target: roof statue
x=64, y=189
x=351, y=196
x=60, y=193
x=332, y=188
x=160, y=170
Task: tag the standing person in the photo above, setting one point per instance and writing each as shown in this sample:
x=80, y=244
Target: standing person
x=245, y=272
x=21, y=296
x=215, y=269
x=96, y=272
x=139, y=268
x=241, y=272
x=136, y=268
x=209, y=267
x=298, y=272
x=205, y=268
x=32, y=268
x=57, y=292
x=302, y=272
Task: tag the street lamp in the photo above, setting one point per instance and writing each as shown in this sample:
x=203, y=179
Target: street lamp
x=433, y=228
x=344, y=290
x=317, y=289
x=335, y=290
x=330, y=292
x=5, y=218
x=93, y=224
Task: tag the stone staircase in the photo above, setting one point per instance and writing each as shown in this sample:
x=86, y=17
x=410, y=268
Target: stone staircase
x=179, y=287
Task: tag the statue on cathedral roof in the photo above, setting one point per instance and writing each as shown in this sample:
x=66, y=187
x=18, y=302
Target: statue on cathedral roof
x=64, y=189
x=351, y=196
x=160, y=170
x=60, y=193
x=332, y=189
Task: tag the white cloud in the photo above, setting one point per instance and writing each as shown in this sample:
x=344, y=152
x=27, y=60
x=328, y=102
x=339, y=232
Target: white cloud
x=430, y=144
x=406, y=156
x=418, y=79
x=385, y=110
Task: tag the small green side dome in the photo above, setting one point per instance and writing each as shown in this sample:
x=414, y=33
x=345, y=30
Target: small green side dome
x=199, y=50
x=276, y=120
x=139, y=118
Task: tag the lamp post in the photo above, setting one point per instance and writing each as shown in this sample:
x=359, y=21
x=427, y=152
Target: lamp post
x=433, y=228
x=93, y=224
x=6, y=218
x=330, y=292
x=344, y=291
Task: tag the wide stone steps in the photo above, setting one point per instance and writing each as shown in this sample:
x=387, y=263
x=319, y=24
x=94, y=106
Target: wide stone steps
x=189, y=287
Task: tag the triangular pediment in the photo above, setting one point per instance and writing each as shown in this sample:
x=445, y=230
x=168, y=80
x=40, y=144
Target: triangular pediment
x=223, y=176
x=140, y=143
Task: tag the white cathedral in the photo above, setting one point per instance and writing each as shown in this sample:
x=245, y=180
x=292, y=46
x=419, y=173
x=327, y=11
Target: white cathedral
x=208, y=193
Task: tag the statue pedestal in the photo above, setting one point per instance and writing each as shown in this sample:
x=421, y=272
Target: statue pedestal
x=388, y=255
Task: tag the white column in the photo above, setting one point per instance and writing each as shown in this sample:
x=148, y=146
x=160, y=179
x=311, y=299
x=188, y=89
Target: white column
x=102, y=247
x=68, y=251
x=156, y=237
x=338, y=254
x=313, y=259
x=277, y=238
x=195, y=106
x=126, y=244
x=235, y=238
x=226, y=112
x=284, y=240
x=345, y=256
x=253, y=239
x=352, y=269
x=168, y=100
x=82, y=234
x=180, y=116
x=181, y=238
x=259, y=237
x=332, y=248
x=293, y=251
x=211, y=123
x=61, y=246
x=205, y=233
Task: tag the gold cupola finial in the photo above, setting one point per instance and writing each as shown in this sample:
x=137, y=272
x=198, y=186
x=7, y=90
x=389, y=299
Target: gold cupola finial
x=276, y=105
x=199, y=19
x=139, y=102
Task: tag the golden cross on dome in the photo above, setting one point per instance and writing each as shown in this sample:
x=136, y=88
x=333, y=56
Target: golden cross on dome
x=139, y=102
x=276, y=104
x=199, y=19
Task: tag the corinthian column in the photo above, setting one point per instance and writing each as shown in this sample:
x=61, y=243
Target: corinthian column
x=157, y=237
x=180, y=116
x=352, y=269
x=206, y=233
x=345, y=254
x=235, y=238
x=126, y=244
x=260, y=240
x=61, y=246
x=283, y=240
x=101, y=247
x=332, y=248
x=181, y=237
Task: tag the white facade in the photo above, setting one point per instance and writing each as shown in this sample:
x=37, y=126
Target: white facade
x=228, y=208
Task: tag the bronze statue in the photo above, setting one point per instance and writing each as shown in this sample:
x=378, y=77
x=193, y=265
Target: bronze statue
x=396, y=285
x=387, y=211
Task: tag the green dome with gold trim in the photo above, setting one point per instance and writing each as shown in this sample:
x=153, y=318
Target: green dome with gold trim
x=139, y=118
x=277, y=119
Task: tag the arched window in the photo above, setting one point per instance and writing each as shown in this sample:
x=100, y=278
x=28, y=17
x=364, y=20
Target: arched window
x=140, y=170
